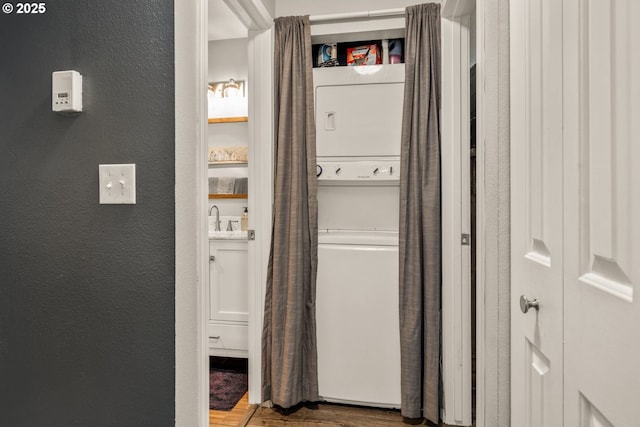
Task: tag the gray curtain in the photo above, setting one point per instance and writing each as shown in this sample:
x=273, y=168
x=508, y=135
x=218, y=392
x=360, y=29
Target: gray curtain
x=289, y=355
x=420, y=246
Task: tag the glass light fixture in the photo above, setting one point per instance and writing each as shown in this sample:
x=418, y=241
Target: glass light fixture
x=231, y=89
x=226, y=89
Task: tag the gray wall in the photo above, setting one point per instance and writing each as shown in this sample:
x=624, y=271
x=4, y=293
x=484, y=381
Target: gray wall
x=87, y=290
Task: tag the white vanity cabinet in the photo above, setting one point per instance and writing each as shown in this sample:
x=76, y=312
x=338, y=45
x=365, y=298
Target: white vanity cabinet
x=228, y=298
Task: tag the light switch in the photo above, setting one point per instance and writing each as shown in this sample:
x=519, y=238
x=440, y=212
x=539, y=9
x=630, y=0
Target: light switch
x=117, y=184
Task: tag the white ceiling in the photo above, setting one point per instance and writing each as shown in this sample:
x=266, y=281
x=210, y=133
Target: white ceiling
x=223, y=24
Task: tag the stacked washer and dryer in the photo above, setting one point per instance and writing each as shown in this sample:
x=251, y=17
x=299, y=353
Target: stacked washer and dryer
x=358, y=129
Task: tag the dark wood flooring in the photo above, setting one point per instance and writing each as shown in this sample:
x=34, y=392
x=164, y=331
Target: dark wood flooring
x=327, y=415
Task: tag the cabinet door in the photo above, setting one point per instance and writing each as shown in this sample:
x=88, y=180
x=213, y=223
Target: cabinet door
x=228, y=281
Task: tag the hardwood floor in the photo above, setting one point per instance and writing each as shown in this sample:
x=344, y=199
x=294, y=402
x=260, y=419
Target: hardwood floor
x=238, y=416
x=318, y=415
x=327, y=415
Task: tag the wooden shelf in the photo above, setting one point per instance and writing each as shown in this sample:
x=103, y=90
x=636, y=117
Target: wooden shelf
x=228, y=196
x=229, y=119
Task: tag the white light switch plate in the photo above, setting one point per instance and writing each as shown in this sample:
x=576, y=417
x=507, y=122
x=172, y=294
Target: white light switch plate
x=117, y=184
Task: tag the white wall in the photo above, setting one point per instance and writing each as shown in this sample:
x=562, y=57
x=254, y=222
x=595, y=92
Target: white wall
x=315, y=7
x=228, y=59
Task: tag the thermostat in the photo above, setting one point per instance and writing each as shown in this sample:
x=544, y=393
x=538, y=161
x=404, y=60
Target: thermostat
x=66, y=94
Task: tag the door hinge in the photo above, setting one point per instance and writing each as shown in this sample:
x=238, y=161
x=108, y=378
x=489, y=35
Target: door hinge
x=251, y=234
x=465, y=240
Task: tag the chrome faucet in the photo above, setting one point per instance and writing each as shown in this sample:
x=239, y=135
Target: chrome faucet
x=217, y=216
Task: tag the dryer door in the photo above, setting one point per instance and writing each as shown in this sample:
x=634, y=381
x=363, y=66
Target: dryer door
x=357, y=113
x=359, y=120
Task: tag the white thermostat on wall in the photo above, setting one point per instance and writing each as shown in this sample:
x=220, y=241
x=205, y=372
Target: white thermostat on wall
x=66, y=94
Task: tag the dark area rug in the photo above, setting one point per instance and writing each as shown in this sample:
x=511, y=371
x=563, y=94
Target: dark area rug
x=228, y=382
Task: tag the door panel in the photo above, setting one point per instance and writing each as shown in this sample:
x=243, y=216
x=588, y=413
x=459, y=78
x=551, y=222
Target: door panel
x=590, y=416
x=602, y=312
x=536, y=192
x=575, y=121
x=538, y=368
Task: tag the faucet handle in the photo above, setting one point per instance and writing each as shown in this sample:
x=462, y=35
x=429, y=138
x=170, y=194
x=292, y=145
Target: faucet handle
x=230, y=226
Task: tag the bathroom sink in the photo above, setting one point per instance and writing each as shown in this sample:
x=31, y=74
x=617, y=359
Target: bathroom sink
x=225, y=233
x=228, y=235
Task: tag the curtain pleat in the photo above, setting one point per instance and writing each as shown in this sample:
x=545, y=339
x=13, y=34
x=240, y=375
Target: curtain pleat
x=420, y=233
x=289, y=354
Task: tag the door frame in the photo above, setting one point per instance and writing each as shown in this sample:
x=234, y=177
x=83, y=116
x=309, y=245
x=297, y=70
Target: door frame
x=493, y=385
x=258, y=20
x=493, y=266
x=455, y=132
x=190, y=44
x=191, y=189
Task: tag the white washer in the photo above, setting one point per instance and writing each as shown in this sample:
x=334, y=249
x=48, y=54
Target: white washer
x=357, y=318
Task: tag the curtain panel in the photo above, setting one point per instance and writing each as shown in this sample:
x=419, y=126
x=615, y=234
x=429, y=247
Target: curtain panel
x=289, y=353
x=420, y=232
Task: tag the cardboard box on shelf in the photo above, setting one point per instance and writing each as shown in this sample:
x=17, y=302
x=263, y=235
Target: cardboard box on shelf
x=364, y=55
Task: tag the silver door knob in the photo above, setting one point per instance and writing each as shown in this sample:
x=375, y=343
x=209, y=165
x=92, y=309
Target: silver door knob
x=526, y=304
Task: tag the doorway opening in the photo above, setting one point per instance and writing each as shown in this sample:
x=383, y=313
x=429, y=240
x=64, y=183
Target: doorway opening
x=257, y=302
x=226, y=292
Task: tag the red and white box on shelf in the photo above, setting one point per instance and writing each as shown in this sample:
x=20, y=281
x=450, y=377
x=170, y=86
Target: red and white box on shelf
x=364, y=55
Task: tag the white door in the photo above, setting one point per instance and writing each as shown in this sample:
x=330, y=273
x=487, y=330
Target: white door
x=575, y=122
x=536, y=213
x=602, y=213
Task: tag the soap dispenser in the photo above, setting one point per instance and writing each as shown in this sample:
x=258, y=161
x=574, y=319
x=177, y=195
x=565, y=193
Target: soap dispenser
x=244, y=220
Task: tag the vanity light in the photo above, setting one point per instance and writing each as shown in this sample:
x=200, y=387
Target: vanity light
x=232, y=89
x=226, y=89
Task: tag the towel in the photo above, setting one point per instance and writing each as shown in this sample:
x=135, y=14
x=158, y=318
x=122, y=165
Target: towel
x=241, y=186
x=213, y=185
x=226, y=185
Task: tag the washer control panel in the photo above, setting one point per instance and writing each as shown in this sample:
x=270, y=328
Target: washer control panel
x=362, y=170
